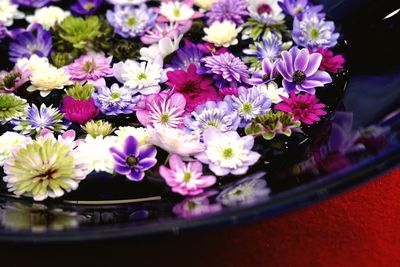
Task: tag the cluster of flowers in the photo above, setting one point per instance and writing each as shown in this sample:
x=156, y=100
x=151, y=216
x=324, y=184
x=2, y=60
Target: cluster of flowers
x=124, y=78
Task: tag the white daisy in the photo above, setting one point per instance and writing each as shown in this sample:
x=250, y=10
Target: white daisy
x=9, y=12
x=48, y=16
x=8, y=142
x=273, y=91
x=176, y=11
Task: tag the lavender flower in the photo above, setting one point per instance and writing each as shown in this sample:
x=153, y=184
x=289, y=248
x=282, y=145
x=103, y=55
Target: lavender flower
x=300, y=71
x=130, y=21
x=232, y=10
x=227, y=70
x=134, y=160
x=33, y=3
x=115, y=100
x=296, y=8
x=314, y=32
x=219, y=115
x=26, y=43
x=267, y=73
x=162, y=30
x=86, y=7
x=189, y=54
x=248, y=104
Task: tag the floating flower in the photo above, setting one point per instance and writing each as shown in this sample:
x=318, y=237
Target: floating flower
x=267, y=73
x=162, y=30
x=48, y=16
x=164, y=108
x=330, y=62
x=41, y=118
x=300, y=71
x=48, y=79
x=272, y=124
x=8, y=142
x=11, y=107
x=126, y=2
x=175, y=141
x=189, y=54
x=304, y=107
x=33, y=63
x=141, y=134
x=205, y=4
x=194, y=87
x=176, y=11
x=219, y=115
x=13, y=80
x=91, y=68
x=226, y=69
x=186, y=179
x=134, y=160
x=229, y=91
x=9, y=12
x=273, y=91
x=115, y=100
x=86, y=7
x=130, y=21
x=44, y=168
x=98, y=128
x=227, y=152
x=33, y=3
x=197, y=206
x=95, y=152
x=247, y=191
x=314, y=32
x=80, y=92
x=248, y=104
x=79, y=111
x=143, y=78
x=222, y=34
x=34, y=41
x=157, y=52
x=266, y=11
x=228, y=10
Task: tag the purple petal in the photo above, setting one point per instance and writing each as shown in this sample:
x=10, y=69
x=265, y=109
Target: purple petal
x=288, y=62
x=267, y=66
x=147, y=152
x=131, y=146
x=289, y=86
x=117, y=154
x=313, y=64
x=311, y=84
x=321, y=76
x=135, y=175
x=146, y=164
x=122, y=169
x=301, y=61
x=282, y=70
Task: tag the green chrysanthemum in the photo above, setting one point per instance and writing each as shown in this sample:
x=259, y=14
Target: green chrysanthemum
x=44, y=168
x=80, y=92
x=11, y=107
x=273, y=123
x=98, y=128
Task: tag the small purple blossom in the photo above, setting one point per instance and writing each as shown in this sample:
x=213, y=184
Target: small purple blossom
x=162, y=30
x=115, y=100
x=296, y=8
x=186, y=178
x=130, y=21
x=27, y=43
x=189, y=54
x=270, y=47
x=33, y=3
x=249, y=104
x=86, y=7
x=227, y=70
x=300, y=71
x=134, y=160
x=267, y=73
x=232, y=10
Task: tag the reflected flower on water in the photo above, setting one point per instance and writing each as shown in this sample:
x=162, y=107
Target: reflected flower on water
x=197, y=206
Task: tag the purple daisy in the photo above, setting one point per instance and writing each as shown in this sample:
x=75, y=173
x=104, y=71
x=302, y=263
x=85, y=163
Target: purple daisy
x=232, y=10
x=227, y=70
x=86, y=7
x=133, y=160
x=300, y=71
x=27, y=43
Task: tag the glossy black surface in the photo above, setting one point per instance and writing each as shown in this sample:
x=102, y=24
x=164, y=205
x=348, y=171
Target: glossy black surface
x=360, y=141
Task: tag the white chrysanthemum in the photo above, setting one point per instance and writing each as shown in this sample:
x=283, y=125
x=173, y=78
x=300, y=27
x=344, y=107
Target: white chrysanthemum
x=176, y=11
x=8, y=142
x=9, y=12
x=205, y=4
x=144, y=77
x=266, y=11
x=96, y=153
x=34, y=63
x=175, y=141
x=47, y=79
x=222, y=33
x=141, y=134
x=48, y=16
x=273, y=91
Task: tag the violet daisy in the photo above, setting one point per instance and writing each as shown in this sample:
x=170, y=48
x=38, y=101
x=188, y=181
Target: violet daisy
x=227, y=70
x=232, y=10
x=300, y=71
x=134, y=160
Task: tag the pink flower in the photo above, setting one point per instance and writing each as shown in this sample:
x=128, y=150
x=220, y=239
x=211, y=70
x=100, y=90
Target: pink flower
x=91, y=69
x=229, y=91
x=304, y=107
x=330, y=62
x=186, y=179
x=13, y=80
x=207, y=48
x=164, y=108
x=194, y=87
x=79, y=111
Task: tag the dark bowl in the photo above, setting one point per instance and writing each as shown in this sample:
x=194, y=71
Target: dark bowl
x=359, y=141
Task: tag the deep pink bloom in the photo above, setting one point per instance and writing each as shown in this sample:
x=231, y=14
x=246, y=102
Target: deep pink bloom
x=164, y=108
x=229, y=91
x=330, y=62
x=207, y=48
x=194, y=87
x=186, y=178
x=79, y=111
x=91, y=68
x=304, y=107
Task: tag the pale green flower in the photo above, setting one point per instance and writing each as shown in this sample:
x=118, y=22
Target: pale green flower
x=98, y=128
x=11, y=107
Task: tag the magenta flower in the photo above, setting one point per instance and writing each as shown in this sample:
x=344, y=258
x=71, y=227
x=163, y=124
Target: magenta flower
x=79, y=111
x=211, y=49
x=164, y=108
x=300, y=71
x=134, y=160
x=186, y=179
x=330, y=62
x=194, y=87
x=229, y=91
x=91, y=68
x=304, y=107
